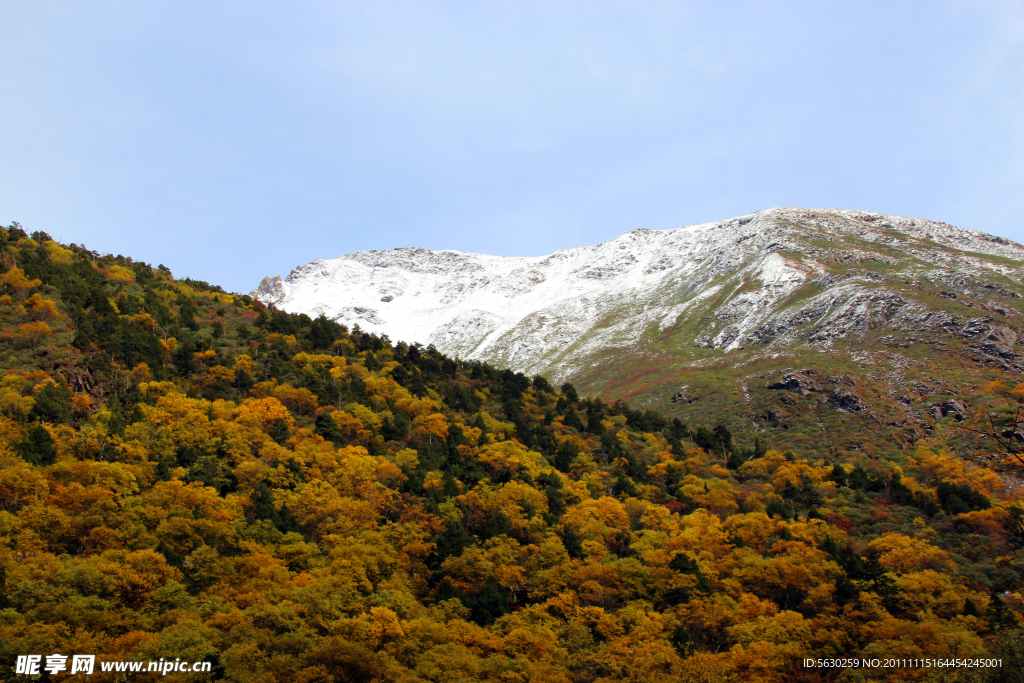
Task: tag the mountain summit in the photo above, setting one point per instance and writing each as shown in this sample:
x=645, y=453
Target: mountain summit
x=769, y=279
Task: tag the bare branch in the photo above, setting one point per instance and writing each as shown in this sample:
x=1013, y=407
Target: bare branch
x=994, y=433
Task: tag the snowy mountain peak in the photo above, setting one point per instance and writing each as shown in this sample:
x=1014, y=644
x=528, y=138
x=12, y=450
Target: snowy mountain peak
x=739, y=282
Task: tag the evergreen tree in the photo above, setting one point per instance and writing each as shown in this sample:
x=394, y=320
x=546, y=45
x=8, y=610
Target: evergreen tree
x=328, y=428
x=37, y=447
x=53, y=404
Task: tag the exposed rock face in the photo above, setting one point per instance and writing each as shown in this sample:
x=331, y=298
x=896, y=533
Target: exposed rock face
x=803, y=382
x=954, y=407
x=682, y=397
x=775, y=419
x=846, y=401
x=271, y=290
x=994, y=344
x=922, y=389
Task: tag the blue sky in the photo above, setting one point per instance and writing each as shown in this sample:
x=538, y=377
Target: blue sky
x=234, y=140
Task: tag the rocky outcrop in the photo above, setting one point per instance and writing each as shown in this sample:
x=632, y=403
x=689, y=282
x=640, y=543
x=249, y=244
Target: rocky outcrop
x=775, y=419
x=803, y=382
x=995, y=344
x=682, y=397
x=953, y=406
x=846, y=401
x=922, y=389
x=271, y=290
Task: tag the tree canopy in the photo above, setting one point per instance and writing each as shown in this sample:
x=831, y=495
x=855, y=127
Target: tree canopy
x=187, y=473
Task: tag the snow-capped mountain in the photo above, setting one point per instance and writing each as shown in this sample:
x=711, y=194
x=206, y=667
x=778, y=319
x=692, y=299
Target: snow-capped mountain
x=771, y=278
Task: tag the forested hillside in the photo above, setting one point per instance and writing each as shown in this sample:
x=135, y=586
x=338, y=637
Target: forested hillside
x=845, y=334
x=187, y=473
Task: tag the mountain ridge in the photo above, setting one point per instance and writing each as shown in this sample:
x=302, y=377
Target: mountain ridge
x=501, y=309
x=718, y=313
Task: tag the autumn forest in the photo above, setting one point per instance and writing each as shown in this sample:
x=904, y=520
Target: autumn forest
x=185, y=472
